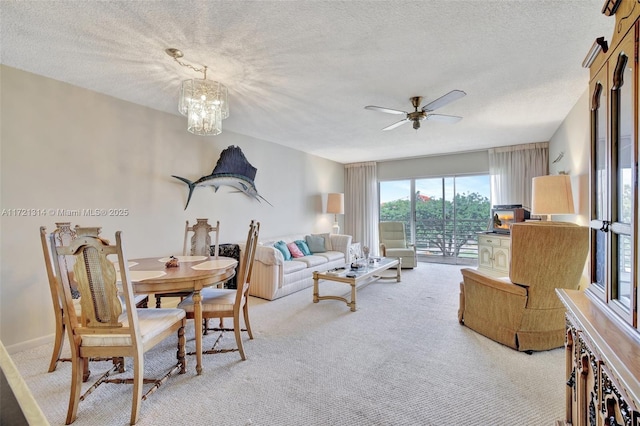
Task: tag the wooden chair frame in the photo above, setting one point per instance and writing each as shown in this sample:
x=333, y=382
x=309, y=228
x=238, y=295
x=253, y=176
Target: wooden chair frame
x=62, y=236
x=103, y=319
x=200, y=245
x=240, y=306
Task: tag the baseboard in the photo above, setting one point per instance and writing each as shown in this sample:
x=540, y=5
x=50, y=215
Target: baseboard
x=30, y=344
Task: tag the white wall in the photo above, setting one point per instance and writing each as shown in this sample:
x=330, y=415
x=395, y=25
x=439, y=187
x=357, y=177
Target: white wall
x=64, y=147
x=466, y=163
x=572, y=139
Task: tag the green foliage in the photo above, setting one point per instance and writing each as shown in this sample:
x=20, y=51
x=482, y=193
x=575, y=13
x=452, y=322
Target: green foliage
x=436, y=229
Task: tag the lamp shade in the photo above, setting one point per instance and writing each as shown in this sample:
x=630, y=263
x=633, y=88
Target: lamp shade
x=335, y=203
x=551, y=195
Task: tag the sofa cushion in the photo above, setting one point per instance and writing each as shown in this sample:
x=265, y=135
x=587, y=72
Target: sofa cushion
x=316, y=243
x=313, y=260
x=332, y=255
x=282, y=246
x=295, y=251
x=293, y=266
x=304, y=248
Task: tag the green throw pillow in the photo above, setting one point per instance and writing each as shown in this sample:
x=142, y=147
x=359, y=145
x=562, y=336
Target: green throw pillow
x=315, y=243
x=304, y=248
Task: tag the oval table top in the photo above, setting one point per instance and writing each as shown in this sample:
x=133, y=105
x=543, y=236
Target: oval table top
x=189, y=275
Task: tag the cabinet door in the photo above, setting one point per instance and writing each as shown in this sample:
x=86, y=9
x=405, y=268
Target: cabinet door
x=501, y=259
x=599, y=89
x=614, y=180
x=485, y=255
x=622, y=86
x=614, y=409
x=587, y=392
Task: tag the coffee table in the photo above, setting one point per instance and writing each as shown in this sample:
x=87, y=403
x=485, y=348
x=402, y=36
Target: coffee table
x=363, y=277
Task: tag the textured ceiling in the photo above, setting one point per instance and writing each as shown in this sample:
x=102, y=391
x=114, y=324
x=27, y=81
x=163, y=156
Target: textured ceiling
x=299, y=73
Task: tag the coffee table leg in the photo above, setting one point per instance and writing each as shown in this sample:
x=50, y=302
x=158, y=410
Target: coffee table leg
x=353, y=296
x=399, y=273
x=315, y=288
x=197, y=325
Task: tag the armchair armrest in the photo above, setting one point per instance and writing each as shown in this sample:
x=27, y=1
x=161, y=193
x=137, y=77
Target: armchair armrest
x=492, y=306
x=502, y=284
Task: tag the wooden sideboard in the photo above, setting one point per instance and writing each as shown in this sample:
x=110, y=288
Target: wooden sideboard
x=603, y=365
x=494, y=252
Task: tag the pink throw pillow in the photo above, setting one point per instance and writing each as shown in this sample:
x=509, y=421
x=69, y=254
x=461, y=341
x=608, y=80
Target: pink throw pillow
x=295, y=251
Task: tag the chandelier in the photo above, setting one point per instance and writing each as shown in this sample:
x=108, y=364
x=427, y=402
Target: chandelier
x=203, y=102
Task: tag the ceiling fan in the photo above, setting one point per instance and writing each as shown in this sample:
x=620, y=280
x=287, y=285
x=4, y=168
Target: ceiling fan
x=425, y=112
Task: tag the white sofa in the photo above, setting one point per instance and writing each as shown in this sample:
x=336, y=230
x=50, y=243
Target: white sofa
x=273, y=277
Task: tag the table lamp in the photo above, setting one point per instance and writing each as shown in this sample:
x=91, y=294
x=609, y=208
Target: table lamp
x=335, y=205
x=551, y=195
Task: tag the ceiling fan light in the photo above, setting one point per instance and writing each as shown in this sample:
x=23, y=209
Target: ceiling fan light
x=416, y=124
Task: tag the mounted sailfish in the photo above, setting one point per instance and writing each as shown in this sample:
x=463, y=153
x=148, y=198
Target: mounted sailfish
x=232, y=169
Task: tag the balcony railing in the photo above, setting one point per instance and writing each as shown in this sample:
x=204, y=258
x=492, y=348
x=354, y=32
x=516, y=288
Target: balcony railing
x=448, y=241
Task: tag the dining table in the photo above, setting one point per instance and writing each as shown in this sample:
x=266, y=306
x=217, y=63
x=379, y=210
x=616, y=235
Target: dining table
x=193, y=273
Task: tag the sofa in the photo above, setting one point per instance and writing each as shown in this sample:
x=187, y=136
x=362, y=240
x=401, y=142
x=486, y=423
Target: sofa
x=274, y=276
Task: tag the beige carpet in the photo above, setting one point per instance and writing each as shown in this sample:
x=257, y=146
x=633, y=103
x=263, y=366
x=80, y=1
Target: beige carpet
x=401, y=359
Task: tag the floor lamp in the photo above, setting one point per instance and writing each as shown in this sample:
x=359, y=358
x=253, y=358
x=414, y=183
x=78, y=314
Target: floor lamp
x=335, y=206
x=551, y=195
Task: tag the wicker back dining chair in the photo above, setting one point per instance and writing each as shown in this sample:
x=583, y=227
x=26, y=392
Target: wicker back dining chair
x=199, y=244
x=107, y=329
x=63, y=235
x=230, y=303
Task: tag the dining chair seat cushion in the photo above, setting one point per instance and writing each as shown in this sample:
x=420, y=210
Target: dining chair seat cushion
x=213, y=299
x=152, y=322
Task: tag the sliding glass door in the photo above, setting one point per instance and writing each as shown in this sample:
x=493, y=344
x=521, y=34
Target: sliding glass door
x=442, y=215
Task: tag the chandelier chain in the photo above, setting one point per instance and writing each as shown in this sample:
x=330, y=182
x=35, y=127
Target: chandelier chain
x=202, y=70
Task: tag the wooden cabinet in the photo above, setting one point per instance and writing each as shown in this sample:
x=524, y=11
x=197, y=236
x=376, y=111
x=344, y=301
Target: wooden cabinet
x=603, y=367
x=494, y=254
x=603, y=333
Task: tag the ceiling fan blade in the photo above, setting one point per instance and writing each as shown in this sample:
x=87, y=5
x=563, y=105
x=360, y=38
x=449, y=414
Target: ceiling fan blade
x=444, y=100
x=396, y=124
x=387, y=110
x=443, y=118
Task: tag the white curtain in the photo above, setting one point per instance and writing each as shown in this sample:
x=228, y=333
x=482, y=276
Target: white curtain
x=361, y=204
x=512, y=168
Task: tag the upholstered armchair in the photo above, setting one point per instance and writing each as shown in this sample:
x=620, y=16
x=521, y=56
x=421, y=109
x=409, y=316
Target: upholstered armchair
x=393, y=243
x=522, y=311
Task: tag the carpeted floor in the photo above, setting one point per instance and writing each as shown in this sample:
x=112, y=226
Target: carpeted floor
x=401, y=359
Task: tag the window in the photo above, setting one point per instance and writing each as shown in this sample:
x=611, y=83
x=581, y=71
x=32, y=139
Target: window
x=442, y=215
